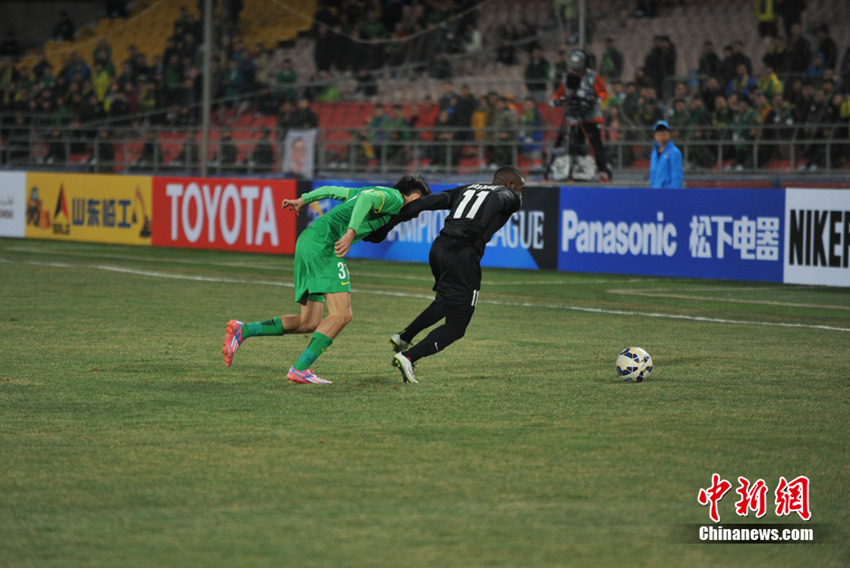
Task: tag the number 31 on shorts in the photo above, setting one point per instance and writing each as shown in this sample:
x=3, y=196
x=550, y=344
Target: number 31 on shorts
x=343, y=272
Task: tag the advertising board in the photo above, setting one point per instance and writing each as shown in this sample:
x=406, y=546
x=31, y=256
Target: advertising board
x=224, y=213
x=13, y=204
x=698, y=233
x=90, y=208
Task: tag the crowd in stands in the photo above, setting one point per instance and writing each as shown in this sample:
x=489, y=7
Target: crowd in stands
x=800, y=88
x=793, y=92
x=456, y=125
x=358, y=35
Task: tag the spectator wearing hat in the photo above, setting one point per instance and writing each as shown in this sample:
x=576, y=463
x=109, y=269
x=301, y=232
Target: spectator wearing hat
x=665, y=164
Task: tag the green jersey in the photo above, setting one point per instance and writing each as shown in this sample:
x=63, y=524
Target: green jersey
x=317, y=269
x=363, y=209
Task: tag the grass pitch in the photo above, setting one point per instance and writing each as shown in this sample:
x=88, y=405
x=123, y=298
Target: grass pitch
x=125, y=441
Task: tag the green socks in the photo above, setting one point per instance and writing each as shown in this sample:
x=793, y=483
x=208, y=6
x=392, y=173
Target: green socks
x=317, y=346
x=268, y=327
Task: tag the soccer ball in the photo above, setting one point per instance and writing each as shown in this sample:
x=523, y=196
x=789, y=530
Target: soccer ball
x=634, y=364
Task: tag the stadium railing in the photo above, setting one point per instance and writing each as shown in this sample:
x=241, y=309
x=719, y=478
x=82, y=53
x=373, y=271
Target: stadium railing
x=710, y=149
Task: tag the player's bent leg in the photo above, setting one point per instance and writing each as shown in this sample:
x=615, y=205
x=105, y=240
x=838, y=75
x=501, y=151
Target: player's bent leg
x=305, y=322
x=429, y=316
x=339, y=314
x=458, y=321
x=442, y=336
x=236, y=331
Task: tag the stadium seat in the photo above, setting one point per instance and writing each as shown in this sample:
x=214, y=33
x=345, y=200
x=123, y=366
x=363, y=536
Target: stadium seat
x=79, y=158
x=468, y=166
x=783, y=165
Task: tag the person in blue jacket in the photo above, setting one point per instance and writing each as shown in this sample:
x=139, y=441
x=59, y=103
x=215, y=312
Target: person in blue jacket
x=665, y=164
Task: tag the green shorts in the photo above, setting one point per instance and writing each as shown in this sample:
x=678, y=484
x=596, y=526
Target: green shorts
x=318, y=271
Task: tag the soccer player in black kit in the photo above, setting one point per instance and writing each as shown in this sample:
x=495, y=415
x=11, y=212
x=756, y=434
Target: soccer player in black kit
x=477, y=211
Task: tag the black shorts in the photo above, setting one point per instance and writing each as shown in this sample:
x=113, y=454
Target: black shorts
x=456, y=266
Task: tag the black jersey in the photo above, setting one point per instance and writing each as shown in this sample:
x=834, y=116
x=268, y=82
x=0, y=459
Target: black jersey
x=476, y=212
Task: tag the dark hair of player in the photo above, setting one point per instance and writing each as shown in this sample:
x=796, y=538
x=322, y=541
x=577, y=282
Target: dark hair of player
x=413, y=183
x=507, y=174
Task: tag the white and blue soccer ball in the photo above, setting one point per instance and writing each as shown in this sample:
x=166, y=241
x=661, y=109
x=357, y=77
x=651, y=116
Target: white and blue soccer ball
x=634, y=364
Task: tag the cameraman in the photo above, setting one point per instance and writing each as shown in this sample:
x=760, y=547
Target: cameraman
x=582, y=92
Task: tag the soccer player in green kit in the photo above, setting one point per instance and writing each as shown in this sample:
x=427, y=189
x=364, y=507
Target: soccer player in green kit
x=321, y=275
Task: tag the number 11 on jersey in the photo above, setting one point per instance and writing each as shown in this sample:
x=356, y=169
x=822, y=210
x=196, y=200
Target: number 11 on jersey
x=480, y=196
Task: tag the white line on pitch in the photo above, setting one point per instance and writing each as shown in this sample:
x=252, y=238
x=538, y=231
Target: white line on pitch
x=219, y=280
x=277, y=268
x=660, y=294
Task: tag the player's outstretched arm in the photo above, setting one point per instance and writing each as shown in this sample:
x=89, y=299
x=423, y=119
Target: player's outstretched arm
x=324, y=192
x=428, y=203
